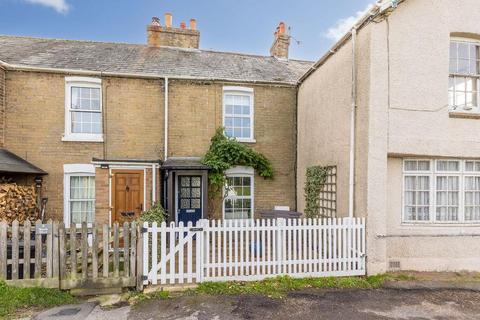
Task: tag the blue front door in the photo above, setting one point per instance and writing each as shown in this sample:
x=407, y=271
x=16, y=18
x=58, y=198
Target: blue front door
x=189, y=199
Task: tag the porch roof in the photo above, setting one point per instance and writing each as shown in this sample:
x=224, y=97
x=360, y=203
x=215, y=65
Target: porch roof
x=11, y=163
x=184, y=164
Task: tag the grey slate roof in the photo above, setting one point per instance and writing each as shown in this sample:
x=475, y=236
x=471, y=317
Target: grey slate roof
x=141, y=59
x=11, y=163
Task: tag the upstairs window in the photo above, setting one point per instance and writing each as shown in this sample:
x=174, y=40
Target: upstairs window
x=464, y=76
x=83, y=109
x=238, y=113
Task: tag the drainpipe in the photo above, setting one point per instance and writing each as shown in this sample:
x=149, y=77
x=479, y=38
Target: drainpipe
x=351, y=193
x=154, y=184
x=166, y=120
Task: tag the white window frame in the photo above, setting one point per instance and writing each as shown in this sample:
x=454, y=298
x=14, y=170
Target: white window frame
x=82, y=82
x=240, y=171
x=433, y=173
x=453, y=108
x=74, y=170
x=242, y=91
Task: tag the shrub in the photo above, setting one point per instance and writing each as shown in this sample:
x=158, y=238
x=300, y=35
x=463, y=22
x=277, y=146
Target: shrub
x=155, y=214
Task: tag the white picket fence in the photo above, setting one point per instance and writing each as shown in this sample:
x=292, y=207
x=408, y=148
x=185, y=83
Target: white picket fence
x=253, y=250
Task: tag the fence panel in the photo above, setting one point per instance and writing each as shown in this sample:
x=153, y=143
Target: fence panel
x=246, y=250
x=50, y=255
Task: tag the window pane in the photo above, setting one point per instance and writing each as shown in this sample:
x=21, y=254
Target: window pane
x=445, y=165
x=417, y=198
x=238, y=204
x=82, y=199
x=447, y=198
x=237, y=115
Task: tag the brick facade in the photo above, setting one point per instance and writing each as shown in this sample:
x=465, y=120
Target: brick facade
x=133, y=111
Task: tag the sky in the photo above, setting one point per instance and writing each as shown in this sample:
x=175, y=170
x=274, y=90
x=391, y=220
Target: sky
x=245, y=26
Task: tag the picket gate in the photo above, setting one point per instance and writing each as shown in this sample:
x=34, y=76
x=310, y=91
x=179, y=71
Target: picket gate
x=247, y=250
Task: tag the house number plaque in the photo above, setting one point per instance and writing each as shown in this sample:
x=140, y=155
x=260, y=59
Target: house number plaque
x=43, y=229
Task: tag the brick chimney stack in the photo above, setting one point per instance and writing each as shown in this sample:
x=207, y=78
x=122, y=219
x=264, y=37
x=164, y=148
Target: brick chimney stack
x=281, y=43
x=169, y=36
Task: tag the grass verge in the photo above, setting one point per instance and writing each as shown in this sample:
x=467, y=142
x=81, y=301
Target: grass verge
x=14, y=298
x=278, y=287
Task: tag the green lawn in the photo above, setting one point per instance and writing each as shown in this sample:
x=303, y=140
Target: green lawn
x=13, y=298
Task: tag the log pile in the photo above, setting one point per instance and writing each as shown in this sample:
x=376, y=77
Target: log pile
x=18, y=202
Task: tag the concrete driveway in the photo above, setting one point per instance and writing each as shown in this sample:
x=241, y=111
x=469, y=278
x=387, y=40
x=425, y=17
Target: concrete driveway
x=318, y=304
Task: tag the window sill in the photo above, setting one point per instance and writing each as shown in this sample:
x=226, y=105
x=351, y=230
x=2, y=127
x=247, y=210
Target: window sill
x=440, y=224
x=464, y=114
x=83, y=138
x=246, y=140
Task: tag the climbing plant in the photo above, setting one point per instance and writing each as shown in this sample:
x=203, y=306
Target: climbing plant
x=315, y=181
x=225, y=153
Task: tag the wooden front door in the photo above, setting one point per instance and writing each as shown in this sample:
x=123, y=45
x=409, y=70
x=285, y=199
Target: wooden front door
x=127, y=195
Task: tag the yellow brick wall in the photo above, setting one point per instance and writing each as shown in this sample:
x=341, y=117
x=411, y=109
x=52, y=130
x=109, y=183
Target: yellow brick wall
x=196, y=112
x=35, y=121
x=134, y=129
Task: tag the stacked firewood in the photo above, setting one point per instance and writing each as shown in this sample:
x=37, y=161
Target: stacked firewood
x=18, y=202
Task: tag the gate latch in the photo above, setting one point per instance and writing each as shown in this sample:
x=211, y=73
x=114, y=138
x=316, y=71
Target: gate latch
x=196, y=229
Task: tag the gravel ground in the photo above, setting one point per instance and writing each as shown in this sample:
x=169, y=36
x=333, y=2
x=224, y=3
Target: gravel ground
x=318, y=304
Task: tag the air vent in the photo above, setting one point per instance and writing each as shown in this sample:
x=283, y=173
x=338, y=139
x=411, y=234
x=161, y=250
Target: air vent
x=394, y=265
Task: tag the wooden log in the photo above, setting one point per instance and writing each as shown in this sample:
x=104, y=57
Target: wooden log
x=26, y=249
x=3, y=252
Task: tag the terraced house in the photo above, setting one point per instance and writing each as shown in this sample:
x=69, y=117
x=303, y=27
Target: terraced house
x=117, y=127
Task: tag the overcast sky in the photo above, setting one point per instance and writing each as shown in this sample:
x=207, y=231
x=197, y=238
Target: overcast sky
x=226, y=25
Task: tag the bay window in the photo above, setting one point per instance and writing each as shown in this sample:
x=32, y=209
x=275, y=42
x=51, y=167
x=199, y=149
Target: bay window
x=441, y=191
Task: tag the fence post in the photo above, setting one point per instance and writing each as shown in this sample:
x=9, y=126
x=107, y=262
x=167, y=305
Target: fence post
x=3, y=253
x=280, y=233
x=139, y=258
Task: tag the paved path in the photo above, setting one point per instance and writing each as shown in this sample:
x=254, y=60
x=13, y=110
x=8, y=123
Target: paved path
x=319, y=304
x=300, y=305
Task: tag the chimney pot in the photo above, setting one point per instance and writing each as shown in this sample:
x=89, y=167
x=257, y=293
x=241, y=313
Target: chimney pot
x=193, y=24
x=168, y=20
x=183, y=25
x=281, y=28
x=155, y=21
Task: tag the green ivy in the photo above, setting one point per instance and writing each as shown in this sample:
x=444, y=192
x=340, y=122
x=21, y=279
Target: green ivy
x=225, y=153
x=315, y=181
